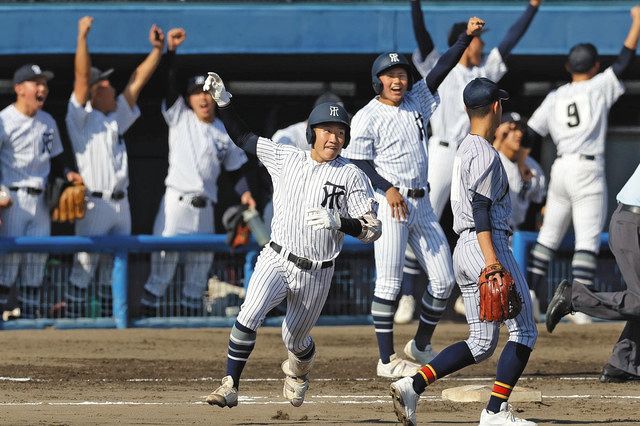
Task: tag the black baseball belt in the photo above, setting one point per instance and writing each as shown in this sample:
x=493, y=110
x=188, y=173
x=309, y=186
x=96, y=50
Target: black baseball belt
x=630, y=209
x=301, y=262
x=416, y=192
x=115, y=195
x=29, y=190
x=584, y=157
x=197, y=201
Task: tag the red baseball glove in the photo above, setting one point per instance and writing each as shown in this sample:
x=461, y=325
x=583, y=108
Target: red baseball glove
x=499, y=299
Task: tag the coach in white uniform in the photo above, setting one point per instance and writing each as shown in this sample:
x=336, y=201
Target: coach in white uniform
x=318, y=197
x=30, y=149
x=575, y=116
x=96, y=122
x=449, y=123
x=198, y=149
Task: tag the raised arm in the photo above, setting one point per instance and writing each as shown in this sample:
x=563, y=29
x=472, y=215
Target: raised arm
x=237, y=130
x=143, y=72
x=82, y=62
x=423, y=38
x=175, y=37
x=451, y=57
x=628, y=51
x=517, y=30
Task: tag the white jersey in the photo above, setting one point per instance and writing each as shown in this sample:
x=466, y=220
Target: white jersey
x=522, y=192
x=449, y=123
x=294, y=135
x=477, y=169
x=395, y=137
x=98, y=143
x=27, y=145
x=197, y=151
x=575, y=115
x=300, y=183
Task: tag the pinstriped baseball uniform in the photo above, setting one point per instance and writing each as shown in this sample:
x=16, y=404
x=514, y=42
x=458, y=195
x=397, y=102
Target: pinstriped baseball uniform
x=449, y=123
x=27, y=145
x=197, y=153
x=395, y=139
x=301, y=183
x=575, y=115
x=522, y=192
x=101, y=155
x=294, y=135
x=477, y=169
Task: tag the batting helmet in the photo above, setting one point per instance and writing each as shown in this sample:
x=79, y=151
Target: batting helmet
x=328, y=112
x=384, y=62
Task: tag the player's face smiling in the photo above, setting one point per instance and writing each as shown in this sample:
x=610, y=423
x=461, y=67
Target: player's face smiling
x=330, y=138
x=395, y=82
x=202, y=105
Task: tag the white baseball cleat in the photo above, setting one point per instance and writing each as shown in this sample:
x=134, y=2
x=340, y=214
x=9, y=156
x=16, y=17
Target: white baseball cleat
x=579, y=318
x=504, y=417
x=415, y=354
x=396, y=368
x=226, y=395
x=294, y=390
x=405, y=401
x=458, y=307
x=406, y=307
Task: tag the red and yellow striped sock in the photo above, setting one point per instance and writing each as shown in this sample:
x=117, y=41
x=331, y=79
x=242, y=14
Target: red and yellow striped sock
x=501, y=390
x=428, y=374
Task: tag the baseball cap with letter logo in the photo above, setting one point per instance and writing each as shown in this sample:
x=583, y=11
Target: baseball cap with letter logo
x=30, y=72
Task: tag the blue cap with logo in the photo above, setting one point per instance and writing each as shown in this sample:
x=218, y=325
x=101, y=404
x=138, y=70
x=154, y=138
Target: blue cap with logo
x=30, y=72
x=195, y=84
x=481, y=92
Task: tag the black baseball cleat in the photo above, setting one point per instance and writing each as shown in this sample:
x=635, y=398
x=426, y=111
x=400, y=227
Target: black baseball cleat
x=611, y=374
x=559, y=306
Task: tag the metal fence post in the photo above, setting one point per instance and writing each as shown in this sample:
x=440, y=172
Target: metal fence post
x=119, y=288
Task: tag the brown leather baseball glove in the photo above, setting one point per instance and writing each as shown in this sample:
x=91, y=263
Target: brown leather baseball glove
x=499, y=299
x=71, y=204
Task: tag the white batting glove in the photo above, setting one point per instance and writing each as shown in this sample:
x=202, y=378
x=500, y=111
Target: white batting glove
x=215, y=86
x=318, y=218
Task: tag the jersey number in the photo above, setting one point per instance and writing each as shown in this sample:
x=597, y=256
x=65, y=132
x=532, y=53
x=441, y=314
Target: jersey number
x=573, y=115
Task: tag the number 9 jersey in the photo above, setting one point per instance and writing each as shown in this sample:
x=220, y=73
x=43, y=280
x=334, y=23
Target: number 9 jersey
x=575, y=115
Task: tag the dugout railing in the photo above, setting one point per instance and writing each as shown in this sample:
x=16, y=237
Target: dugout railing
x=112, y=300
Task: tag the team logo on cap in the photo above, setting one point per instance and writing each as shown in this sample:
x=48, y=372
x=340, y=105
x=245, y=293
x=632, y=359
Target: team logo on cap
x=36, y=69
x=333, y=111
x=393, y=57
x=199, y=79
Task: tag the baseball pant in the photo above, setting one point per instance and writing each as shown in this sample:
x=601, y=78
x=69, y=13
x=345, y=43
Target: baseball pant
x=440, y=173
x=275, y=279
x=424, y=235
x=624, y=240
x=578, y=191
x=179, y=217
x=468, y=261
x=102, y=217
x=27, y=216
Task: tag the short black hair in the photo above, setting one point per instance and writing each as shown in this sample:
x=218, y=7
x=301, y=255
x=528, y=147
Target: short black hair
x=479, y=112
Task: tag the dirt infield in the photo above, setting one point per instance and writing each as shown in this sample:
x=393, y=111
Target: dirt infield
x=145, y=376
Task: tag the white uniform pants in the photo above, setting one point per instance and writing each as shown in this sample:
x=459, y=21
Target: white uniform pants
x=27, y=216
x=179, y=217
x=424, y=235
x=578, y=191
x=440, y=173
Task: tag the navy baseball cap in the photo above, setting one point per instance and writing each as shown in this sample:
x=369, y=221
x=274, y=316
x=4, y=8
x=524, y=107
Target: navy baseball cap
x=512, y=117
x=30, y=72
x=195, y=84
x=96, y=75
x=482, y=92
x=582, y=57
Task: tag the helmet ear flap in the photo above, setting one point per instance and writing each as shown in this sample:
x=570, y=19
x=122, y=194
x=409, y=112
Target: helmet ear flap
x=377, y=85
x=311, y=135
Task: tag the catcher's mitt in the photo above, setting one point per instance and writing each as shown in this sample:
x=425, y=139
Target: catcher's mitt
x=499, y=299
x=66, y=201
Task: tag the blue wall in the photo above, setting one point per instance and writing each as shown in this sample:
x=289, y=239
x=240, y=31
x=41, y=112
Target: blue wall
x=302, y=28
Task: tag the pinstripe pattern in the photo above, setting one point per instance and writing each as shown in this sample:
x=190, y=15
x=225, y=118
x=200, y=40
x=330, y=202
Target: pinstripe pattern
x=449, y=122
x=468, y=262
x=477, y=169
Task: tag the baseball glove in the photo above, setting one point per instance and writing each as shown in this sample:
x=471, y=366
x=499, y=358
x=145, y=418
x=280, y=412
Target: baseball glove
x=66, y=201
x=499, y=299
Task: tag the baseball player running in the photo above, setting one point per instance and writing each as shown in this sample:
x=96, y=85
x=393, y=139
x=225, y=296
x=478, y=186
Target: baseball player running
x=96, y=122
x=481, y=211
x=389, y=144
x=30, y=150
x=575, y=115
x=198, y=149
x=318, y=197
x=449, y=123
x=624, y=363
